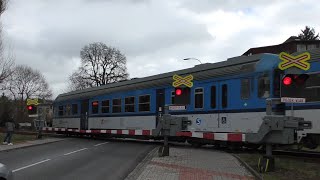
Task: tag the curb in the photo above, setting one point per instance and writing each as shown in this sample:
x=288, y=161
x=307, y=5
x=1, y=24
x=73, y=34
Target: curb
x=249, y=168
x=138, y=170
x=31, y=145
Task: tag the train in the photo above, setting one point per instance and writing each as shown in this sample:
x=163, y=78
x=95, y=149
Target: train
x=227, y=101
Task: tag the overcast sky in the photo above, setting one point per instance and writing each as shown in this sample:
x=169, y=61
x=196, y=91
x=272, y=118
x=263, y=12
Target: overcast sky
x=154, y=35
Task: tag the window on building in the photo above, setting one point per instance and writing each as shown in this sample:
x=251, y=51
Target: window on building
x=129, y=104
x=301, y=47
x=213, y=97
x=105, y=106
x=264, y=86
x=172, y=97
x=74, y=109
x=245, y=88
x=144, y=103
x=95, y=107
x=60, y=111
x=224, y=95
x=198, y=98
x=116, y=105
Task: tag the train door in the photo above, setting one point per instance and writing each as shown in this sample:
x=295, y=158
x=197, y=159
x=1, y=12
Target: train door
x=160, y=102
x=223, y=102
x=84, y=114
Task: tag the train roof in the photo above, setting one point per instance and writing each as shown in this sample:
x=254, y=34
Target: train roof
x=231, y=66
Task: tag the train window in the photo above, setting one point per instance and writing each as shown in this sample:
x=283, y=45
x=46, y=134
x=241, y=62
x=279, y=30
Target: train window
x=105, y=105
x=213, y=97
x=198, y=98
x=245, y=88
x=129, y=104
x=95, y=107
x=172, y=97
x=264, y=86
x=74, y=109
x=116, y=105
x=60, y=112
x=68, y=110
x=224, y=95
x=144, y=103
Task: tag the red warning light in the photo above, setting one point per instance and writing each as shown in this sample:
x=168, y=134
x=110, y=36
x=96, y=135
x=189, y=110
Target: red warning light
x=29, y=107
x=178, y=92
x=287, y=81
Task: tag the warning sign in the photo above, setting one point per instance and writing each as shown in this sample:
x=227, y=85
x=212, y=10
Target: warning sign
x=299, y=61
x=179, y=80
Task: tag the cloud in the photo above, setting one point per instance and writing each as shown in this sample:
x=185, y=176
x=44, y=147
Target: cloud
x=154, y=35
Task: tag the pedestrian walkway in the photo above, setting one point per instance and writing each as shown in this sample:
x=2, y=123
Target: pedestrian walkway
x=190, y=164
x=29, y=143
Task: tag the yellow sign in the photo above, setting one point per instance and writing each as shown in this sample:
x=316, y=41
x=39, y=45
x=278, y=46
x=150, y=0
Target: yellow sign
x=32, y=102
x=178, y=81
x=297, y=61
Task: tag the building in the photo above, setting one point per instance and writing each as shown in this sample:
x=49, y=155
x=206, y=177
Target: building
x=291, y=45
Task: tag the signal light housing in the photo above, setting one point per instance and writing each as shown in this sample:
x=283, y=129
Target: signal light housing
x=32, y=109
x=293, y=85
x=182, y=95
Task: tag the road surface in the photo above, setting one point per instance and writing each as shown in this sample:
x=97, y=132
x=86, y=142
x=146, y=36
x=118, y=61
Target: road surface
x=76, y=159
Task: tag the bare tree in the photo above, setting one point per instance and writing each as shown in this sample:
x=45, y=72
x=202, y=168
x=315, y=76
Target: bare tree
x=100, y=65
x=3, y=6
x=27, y=83
x=308, y=34
x=6, y=63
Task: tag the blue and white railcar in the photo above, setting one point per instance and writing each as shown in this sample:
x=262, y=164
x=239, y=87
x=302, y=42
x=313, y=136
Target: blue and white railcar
x=227, y=99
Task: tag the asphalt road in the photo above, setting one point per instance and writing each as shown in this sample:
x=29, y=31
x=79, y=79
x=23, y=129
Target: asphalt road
x=76, y=159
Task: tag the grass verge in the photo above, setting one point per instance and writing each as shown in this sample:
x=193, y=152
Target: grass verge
x=287, y=167
x=18, y=138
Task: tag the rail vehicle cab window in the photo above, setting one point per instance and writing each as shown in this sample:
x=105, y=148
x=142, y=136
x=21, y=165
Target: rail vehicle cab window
x=68, y=110
x=116, y=105
x=276, y=82
x=144, y=103
x=172, y=97
x=213, y=97
x=198, y=98
x=264, y=86
x=245, y=88
x=60, y=110
x=224, y=95
x=74, y=109
x=312, y=89
x=129, y=104
x=95, y=107
x=105, y=105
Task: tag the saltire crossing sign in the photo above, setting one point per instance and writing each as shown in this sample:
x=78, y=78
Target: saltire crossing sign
x=299, y=61
x=179, y=80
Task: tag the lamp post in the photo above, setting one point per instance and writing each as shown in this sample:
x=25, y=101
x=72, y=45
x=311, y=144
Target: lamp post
x=186, y=59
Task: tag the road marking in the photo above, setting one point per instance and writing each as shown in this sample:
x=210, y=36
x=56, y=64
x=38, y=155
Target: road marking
x=30, y=165
x=101, y=144
x=75, y=151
